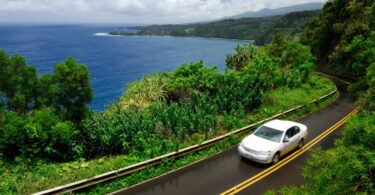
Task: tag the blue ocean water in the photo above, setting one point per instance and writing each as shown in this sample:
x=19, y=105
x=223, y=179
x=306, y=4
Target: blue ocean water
x=113, y=61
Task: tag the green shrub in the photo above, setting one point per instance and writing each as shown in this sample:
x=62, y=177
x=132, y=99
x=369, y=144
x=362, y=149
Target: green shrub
x=370, y=95
x=361, y=131
x=295, y=60
x=41, y=134
x=141, y=93
x=195, y=77
x=241, y=57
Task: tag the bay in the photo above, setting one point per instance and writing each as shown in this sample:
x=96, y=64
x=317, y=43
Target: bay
x=113, y=61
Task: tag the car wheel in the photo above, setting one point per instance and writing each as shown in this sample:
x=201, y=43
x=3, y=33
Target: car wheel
x=301, y=143
x=276, y=158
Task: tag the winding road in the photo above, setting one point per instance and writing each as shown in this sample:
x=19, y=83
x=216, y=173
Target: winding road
x=227, y=173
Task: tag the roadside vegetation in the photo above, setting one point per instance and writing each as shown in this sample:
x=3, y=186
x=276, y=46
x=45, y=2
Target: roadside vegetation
x=343, y=39
x=46, y=174
x=49, y=137
x=278, y=97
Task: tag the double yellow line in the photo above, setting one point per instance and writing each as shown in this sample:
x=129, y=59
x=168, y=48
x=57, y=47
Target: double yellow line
x=291, y=157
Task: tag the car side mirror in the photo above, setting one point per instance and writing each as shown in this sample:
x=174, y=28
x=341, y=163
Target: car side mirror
x=286, y=139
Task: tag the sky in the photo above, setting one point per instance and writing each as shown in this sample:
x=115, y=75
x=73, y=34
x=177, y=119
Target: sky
x=130, y=11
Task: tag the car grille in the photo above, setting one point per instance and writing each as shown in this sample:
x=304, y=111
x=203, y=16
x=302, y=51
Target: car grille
x=252, y=151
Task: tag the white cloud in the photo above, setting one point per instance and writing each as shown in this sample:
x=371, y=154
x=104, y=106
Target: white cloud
x=151, y=11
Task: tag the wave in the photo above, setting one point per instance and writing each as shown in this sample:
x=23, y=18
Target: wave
x=102, y=34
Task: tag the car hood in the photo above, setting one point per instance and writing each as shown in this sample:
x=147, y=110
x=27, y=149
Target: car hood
x=259, y=144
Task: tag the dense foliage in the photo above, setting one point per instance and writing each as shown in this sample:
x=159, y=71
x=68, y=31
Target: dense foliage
x=343, y=39
x=241, y=57
x=294, y=60
x=18, y=84
x=40, y=134
x=261, y=30
x=71, y=90
x=370, y=94
x=40, y=115
x=140, y=94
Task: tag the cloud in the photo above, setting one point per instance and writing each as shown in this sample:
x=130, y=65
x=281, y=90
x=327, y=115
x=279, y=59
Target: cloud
x=150, y=11
x=42, y=5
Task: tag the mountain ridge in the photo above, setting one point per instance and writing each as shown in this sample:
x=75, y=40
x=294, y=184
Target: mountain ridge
x=261, y=30
x=278, y=11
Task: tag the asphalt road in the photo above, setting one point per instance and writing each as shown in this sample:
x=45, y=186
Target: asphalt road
x=224, y=171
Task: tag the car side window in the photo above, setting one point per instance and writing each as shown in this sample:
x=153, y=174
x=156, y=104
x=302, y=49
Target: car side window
x=292, y=131
x=289, y=133
x=295, y=130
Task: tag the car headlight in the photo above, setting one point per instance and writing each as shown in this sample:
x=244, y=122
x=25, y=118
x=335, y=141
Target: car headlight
x=265, y=153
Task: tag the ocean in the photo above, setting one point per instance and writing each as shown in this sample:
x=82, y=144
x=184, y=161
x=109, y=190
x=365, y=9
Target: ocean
x=113, y=61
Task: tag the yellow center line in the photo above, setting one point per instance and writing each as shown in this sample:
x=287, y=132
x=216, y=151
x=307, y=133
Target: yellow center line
x=293, y=156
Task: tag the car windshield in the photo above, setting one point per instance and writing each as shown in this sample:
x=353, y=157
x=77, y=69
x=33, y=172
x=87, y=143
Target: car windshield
x=269, y=133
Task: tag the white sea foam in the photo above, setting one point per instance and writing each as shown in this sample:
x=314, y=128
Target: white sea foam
x=102, y=34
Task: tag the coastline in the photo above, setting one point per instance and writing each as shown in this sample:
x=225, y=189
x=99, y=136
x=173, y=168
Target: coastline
x=135, y=34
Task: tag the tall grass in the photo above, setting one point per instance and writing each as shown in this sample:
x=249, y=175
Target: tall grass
x=141, y=93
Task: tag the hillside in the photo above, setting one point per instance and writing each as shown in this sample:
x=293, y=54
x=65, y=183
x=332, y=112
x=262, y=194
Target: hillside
x=279, y=11
x=261, y=30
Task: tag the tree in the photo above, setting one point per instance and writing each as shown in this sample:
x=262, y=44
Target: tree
x=242, y=56
x=295, y=60
x=36, y=113
x=340, y=36
x=18, y=83
x=73, y=89
x=48, y=91
x=277, y=46
x=192, y=77
x=370, y=94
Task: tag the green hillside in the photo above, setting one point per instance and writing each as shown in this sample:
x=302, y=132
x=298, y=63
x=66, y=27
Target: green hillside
x=261, y=30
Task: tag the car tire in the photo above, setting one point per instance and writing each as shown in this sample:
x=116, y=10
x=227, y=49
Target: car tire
x=301, y=143
x=276, y=158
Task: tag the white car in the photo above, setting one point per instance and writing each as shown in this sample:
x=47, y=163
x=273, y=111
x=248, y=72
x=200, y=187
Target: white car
x=272, y=140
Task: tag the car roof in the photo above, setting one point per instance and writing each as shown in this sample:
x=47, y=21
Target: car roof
x=281, y=125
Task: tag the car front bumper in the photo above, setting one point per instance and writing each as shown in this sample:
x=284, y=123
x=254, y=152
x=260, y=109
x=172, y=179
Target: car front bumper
x=254, y=157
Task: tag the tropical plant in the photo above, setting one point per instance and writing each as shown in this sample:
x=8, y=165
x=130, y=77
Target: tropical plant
x=242, y=56
x=149, y=89
x=73, y=90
